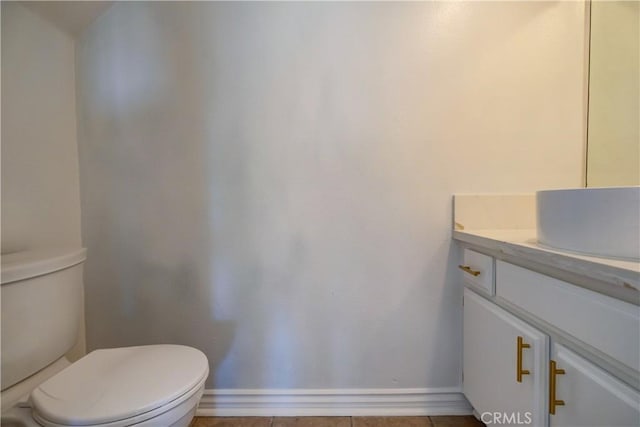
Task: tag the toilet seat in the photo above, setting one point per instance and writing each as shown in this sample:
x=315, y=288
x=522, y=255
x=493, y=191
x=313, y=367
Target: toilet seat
x=121, y=386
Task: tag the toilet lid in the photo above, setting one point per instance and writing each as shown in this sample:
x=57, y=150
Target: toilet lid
x=119, y=383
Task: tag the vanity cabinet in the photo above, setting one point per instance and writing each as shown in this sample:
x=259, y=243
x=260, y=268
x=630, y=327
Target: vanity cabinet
x=530, y=347
x=585, y=395
x=504, y=362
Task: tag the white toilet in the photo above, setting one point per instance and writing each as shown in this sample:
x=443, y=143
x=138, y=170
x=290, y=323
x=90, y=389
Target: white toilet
x=153, y=385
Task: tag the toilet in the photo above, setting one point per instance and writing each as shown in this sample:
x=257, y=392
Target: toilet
x=151, y=385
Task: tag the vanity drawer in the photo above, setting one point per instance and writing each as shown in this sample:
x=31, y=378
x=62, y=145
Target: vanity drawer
x=478, y=270
x=605, y=323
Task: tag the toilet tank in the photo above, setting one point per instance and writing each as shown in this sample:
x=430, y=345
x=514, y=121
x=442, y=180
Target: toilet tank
x=42, y=302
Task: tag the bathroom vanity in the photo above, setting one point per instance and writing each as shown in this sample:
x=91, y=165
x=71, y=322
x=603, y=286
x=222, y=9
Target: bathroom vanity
x=550, y=337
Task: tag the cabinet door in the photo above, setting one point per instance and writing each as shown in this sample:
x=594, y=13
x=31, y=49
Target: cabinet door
x=591, y=396
x=491, y=363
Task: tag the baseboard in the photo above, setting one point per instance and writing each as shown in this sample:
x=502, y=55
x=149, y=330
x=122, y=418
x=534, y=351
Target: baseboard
x=333, y=402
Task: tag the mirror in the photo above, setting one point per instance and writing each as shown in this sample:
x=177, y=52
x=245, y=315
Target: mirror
x=613, y=138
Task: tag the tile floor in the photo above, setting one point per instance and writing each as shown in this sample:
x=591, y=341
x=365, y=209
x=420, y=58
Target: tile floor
x=451, y=421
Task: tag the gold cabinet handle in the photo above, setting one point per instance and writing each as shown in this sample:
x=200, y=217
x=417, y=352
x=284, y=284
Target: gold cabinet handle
x=519, y=371
x=553, y=402
x=469, y=270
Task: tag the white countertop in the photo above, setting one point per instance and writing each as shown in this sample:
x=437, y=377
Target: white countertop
x=617, y=278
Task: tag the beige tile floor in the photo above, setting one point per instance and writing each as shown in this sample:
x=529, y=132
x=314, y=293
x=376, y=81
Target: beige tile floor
x=451, y=421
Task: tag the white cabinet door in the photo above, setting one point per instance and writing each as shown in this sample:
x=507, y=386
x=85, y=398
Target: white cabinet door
x=591, y=396
x=491, y=364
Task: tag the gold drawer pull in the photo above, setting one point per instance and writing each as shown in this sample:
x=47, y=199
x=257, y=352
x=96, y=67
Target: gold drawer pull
x=519, y=371
x=553, y=402
x=469, y=270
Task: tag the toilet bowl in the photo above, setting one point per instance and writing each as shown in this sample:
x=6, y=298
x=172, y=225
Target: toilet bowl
x=156, y=385
x=152, y=385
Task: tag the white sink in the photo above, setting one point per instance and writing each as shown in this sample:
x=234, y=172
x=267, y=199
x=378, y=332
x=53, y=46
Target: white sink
x=603, y=222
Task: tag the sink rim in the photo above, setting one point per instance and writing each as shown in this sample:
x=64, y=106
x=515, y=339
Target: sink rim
x=572, y=219
x=588, y=189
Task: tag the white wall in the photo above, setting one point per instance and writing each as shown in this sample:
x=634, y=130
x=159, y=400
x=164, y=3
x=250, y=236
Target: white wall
x=40, y=178
x=271, y=182
x=40, y=189
x=614, y=94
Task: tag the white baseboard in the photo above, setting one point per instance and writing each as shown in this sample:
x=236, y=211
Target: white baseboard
x=333, y=402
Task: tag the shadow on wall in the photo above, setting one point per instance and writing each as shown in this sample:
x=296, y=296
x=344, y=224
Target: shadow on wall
x=268, y=182
x=146, y=190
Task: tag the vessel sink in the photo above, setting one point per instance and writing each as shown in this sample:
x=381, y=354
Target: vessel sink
x=604, y=222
